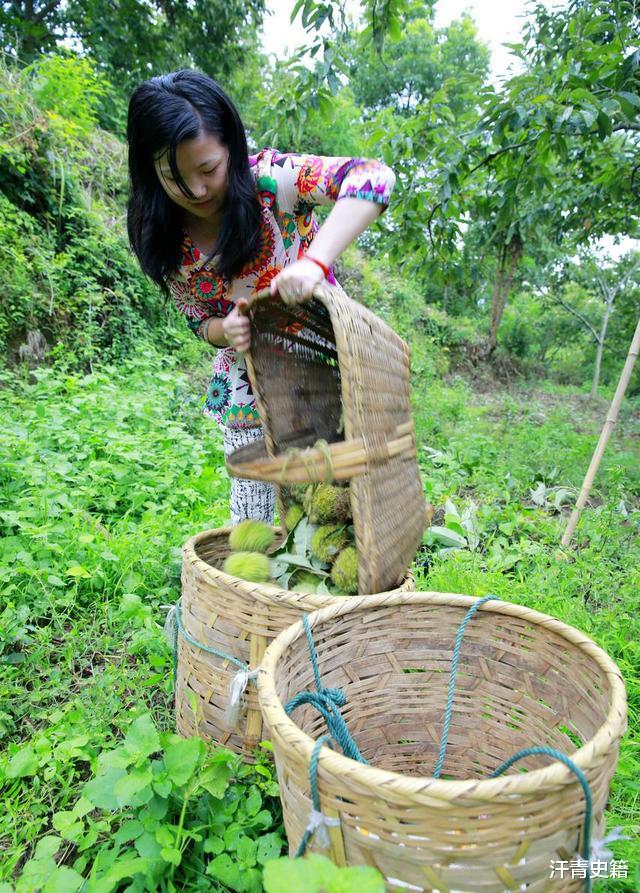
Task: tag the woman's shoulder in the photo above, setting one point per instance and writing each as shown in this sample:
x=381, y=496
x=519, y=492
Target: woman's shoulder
x=271, y=159
x=266, y=166
x=257, y=159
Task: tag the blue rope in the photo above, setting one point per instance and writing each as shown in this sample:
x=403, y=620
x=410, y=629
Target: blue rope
x=582, y=778
x=315, y=796
x=179, y=629
x=327, y=701
x=452, y=681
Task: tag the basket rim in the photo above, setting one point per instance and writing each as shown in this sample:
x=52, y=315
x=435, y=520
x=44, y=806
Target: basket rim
x=263, y=592
x=425, y=788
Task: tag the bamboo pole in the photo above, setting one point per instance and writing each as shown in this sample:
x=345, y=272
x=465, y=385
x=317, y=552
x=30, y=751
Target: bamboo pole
x=607, y=428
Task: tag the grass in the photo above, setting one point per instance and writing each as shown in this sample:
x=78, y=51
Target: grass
x=103, y=477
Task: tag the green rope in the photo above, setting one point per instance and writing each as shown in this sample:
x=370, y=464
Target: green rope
x=179, y=629
x=315, y=796
x=452, y=681
x=582, y=778
x=327, y=701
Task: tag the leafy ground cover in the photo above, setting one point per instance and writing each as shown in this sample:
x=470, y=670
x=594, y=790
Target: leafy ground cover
x=103, y=477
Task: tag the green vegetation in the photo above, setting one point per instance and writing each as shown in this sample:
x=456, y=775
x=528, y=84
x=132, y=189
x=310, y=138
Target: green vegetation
x=486, y=263
x=103, y=478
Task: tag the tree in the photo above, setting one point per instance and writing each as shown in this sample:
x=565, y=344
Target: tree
x=407, y=72
x=610, y=281
x=132, y=40
x=556, y=150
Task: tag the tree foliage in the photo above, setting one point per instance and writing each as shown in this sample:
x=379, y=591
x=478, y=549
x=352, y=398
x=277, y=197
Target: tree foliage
x=134, y=39
x=564, y=133
x=68, y=278
x=421, y=61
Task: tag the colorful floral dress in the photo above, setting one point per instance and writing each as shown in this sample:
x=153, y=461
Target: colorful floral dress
x=289, y=186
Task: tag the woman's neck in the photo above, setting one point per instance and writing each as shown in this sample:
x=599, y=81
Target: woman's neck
x=203, y=233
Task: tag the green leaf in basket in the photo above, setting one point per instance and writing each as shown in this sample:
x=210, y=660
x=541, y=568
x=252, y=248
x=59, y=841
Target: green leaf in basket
x=302, y=535
x=320, y=567
x=283, y=579
x=278, y=567
x=297, y=560
x=284, y=546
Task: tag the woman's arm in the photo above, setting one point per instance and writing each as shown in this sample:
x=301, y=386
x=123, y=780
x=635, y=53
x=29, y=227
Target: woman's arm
x=348, y=218
x=231, y=331
x=359, y=190
x=213, y=331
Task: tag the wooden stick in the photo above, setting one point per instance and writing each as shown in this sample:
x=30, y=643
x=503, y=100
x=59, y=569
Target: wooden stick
x=612, y=415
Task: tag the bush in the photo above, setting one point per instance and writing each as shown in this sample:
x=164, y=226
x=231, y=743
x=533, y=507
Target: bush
x=70, y=283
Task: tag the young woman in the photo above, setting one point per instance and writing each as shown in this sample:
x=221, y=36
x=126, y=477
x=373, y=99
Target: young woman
x=212, y=225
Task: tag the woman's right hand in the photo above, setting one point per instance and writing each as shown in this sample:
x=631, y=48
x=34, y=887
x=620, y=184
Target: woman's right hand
x=237, y=328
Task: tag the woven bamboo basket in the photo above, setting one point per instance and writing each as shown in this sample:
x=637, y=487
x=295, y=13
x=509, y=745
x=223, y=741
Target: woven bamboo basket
x=524, y=679
x=330, y=370
x=239, y=619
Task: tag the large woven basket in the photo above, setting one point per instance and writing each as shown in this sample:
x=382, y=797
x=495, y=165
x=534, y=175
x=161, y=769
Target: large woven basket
x=239, y=619
x=330, y=370
x=524, y=679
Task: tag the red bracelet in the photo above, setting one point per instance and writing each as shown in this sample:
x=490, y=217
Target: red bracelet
x=323, y=267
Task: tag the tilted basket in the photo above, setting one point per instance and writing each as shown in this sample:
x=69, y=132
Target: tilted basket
x=238, y=619
x=330, y=370
x=523, y=679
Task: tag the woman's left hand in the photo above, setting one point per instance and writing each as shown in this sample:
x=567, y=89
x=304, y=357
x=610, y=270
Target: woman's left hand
x=296, y=282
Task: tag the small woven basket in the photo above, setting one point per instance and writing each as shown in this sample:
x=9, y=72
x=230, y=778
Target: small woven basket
x=524, y=679
x=331, y=371
x=239, y=619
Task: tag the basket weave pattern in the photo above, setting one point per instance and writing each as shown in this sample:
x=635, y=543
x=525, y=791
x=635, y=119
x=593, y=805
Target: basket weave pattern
x=239, y=619
x=331, y=370
x=524, y=679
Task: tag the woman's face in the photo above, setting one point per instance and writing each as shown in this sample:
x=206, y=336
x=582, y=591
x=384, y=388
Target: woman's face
x=203, y=163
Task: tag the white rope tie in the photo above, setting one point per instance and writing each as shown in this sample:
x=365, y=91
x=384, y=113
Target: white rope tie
x=600, y=852
x=170, y=623
x=237, y=688
x=318, y=824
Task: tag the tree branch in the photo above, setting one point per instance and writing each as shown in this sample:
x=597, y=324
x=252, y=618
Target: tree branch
x=582, y=319
x=493, y=155
x=486, y=160
x=546, y=297
x=609, y=294
x=46, y=9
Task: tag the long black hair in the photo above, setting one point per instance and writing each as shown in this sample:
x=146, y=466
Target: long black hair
x=163, y=111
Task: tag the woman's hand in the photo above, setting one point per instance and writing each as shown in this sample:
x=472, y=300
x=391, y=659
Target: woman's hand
x=237, y=328
x=296, y=282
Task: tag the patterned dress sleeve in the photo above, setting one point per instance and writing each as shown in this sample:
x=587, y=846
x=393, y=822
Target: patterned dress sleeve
x=322, y=180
